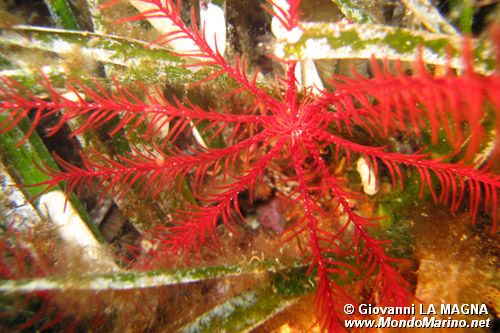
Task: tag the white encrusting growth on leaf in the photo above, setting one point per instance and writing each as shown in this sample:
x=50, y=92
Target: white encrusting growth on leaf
x=73, y=230
x=213, y=24
x=212, y=21
x=280, y=31
x=306, y=73
x=368, y=178
x=166, y=27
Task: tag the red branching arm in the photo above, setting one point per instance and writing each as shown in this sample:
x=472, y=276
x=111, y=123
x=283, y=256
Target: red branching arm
x=330, y=296
x=193, y=228
x=196, y=228
x=151, y=171
x=20, y=255
x=288, y=14
x=206, y=56
x=96, y=107
x=369, y=252
x=16, y=102
x=413, y=103
x=455, y=179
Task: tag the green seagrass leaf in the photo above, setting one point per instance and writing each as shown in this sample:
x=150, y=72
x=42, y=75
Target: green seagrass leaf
x=462, y=12
x=135, y=280
x=61, y=13
x=252, y=308
x=364, y=41
x=23, y=160
x=354, y=11
x=145, y=63
x=31, y=80
x=241, y=313
x=429, y=15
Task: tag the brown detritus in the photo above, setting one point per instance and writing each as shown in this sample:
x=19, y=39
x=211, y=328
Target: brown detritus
x=452, y=267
